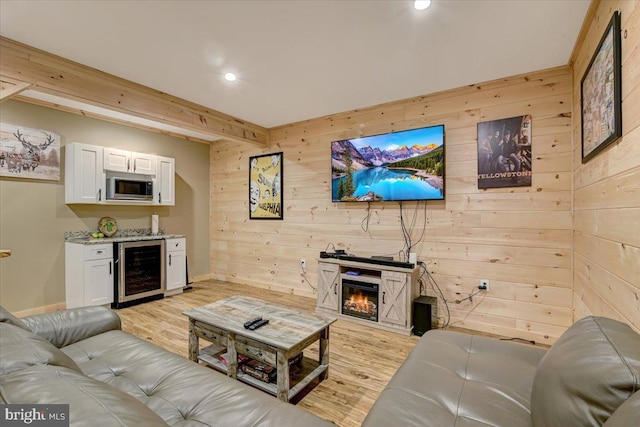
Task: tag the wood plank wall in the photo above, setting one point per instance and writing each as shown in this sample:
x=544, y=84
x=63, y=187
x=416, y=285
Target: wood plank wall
x=607, y=188
x=519, y=238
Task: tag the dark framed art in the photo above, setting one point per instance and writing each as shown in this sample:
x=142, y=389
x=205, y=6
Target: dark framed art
x=265, y=186
x=601, y=94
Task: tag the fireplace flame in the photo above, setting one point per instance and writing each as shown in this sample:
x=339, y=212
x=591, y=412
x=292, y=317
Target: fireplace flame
x=360, y=303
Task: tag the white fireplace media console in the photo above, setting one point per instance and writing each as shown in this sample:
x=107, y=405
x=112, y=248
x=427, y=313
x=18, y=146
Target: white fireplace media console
x=389, y=290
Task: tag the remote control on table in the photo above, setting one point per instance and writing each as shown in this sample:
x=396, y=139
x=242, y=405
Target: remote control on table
x=258, y=324
x=251, y=322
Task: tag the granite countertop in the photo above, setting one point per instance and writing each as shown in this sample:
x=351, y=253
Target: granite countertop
x=86, y=238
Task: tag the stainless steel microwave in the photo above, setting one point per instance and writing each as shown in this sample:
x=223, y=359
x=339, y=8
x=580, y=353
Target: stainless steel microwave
x=129, y=189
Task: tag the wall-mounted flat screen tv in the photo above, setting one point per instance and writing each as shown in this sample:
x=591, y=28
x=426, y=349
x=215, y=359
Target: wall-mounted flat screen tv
x=397, y=166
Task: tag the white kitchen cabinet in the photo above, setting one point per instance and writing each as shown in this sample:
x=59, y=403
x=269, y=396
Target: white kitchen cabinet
x=165, y=182
x=116, y=160
x=89, y=274
x=87, y=168
x=84, y=177
x=176, y=265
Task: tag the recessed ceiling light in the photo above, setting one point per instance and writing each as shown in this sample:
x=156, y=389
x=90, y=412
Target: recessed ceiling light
x=422, y=4
x=230, y=77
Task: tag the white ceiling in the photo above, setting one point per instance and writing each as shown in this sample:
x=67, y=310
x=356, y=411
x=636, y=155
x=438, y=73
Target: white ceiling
x=297, y=60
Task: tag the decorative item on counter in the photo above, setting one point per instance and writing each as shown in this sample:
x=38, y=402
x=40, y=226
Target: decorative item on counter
x=108, y=226
x=154, y=224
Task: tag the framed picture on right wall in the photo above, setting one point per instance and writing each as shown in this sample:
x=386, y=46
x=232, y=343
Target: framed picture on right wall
x=601, y=93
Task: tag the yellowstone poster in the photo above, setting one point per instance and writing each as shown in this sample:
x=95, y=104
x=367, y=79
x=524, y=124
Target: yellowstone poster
x=504, y=153
x=265, y=186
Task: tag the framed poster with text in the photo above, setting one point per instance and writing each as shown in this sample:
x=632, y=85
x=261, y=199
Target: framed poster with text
x=265, y=186
x=504, y=153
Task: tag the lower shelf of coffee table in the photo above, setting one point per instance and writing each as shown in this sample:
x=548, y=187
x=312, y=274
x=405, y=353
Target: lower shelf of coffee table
x=299, y=375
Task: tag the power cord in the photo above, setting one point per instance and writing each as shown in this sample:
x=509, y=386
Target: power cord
x=436, y=290
x=304, y=276
x=470, y=297
x=363, y=225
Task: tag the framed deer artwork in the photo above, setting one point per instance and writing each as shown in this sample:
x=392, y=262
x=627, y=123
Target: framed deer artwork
x=29, y=153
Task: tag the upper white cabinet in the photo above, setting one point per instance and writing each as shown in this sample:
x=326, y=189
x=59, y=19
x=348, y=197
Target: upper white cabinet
x=129, y=162
x=87, y=168
x=144, y=163
x=85, y=179
x=165, y=182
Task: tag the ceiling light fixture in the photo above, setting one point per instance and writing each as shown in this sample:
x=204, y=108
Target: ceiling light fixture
x=422, y=4
x=230, y=77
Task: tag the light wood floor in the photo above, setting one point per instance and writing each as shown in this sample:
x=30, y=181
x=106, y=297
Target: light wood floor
x=362, y=359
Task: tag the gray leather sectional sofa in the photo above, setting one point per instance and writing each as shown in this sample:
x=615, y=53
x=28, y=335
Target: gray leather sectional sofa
x=111, y=378
x=589, y=377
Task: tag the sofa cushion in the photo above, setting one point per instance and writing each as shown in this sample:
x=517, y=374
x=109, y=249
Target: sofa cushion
x=65, y=327
x=452, y=378
x=627, y=414
x=587, y=374
x=6, y=317
x=20, y=348
x=90, y=402
x=180, y=391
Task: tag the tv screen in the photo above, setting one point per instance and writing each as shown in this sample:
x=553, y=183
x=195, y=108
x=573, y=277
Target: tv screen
x=407, y=165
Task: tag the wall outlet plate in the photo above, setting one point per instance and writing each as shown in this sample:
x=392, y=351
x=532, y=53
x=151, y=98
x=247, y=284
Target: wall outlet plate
x=484, y=285
x=303, y=263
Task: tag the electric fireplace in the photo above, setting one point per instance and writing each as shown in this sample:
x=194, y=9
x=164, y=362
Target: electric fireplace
x=360, y=299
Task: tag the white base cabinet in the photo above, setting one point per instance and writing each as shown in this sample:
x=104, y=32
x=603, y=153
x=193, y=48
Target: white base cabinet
x=176, y=265
x=89, y=274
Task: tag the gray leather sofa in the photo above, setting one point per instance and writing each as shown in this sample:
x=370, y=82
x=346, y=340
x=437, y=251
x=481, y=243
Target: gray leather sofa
x=111, y=378
x=589, y=377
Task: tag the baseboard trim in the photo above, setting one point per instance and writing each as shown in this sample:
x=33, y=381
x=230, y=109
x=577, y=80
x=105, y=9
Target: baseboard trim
x=200, y=278
x=39, y=310
x=277, y=288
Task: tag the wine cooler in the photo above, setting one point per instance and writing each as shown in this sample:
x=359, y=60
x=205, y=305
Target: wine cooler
x=140, y=272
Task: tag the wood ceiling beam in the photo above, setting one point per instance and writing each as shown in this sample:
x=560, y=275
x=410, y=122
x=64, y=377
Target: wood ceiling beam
x=55, y=75
x=11, y=88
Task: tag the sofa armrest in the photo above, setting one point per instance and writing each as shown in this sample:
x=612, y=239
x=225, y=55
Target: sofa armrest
x=66, y=327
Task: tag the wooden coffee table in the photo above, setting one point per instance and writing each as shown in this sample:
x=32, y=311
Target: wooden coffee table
x=288, y=333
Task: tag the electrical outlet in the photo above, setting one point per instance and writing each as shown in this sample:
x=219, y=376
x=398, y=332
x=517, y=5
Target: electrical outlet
x=484, y=285
x=303, y=263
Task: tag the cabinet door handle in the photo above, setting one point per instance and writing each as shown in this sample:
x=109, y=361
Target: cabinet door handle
x=100, y=195
x=99, y=252
x=128, y=163
x=383, y=292
x=109, y=268
x=169, y=259
x=160, y=197
x=134, y=164
x=335, y=288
